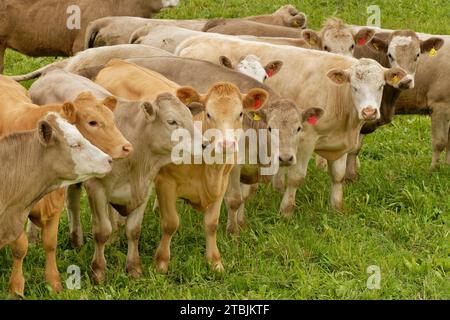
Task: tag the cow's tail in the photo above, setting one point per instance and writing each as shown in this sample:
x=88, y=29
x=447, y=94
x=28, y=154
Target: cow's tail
x=91, y=35
x=39, y=72
x=213, y=23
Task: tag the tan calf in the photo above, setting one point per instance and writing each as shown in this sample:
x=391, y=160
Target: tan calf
x=95, y=121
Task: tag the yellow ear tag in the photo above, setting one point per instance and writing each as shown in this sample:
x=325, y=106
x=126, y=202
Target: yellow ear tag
x=188, y=102
x=256, y=117
x=312, y=42
x=295, y=24
x=395, y=79
x=432, y=52
x=339, y=78
x=376, y=46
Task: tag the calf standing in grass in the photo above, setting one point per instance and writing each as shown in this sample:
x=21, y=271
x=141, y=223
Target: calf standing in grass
x=33, y=164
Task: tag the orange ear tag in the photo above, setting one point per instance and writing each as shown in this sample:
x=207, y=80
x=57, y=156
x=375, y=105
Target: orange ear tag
x=362, y=41
x=257, y=104
x=432, y=52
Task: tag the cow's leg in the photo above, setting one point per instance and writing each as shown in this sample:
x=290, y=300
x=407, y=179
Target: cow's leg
x=19, y=251
x=33, y=233
x=295, y=177
x=337, y=173
x=351, y=173
x=73, y=212
x=279, y=180
x=233, y=200
x=169, y=225
x=101, y=229
x=439, y=134
x=50, y=242
x=321, y=163
x=211, y=223
x=247, y=192
x=116, y=222
x=2, y=56
x=133, y=230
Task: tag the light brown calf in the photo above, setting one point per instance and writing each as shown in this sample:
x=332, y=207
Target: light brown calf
x=203, y=186
x=95, y=121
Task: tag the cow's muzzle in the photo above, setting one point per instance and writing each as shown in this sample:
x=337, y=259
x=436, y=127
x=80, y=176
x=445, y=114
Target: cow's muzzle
x=369, y=113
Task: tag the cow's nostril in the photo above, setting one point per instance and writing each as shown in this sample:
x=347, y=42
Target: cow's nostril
x=110, y=160
x=291, y=159
x=127, y=148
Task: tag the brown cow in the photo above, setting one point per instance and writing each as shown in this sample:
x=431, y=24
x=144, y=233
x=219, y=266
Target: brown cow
x=95, y=121
x=33, y=164
x=201, y=185
x=118, y=30
x=24, y=25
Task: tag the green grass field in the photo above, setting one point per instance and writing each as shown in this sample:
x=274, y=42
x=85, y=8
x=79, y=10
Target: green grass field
x=397, y=215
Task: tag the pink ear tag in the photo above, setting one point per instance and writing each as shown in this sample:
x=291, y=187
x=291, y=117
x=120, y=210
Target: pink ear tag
x=362, y=41
x=312, y=120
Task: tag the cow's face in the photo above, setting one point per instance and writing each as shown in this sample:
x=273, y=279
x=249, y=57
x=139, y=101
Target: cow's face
x=95, y=120
x=251, y=66
x=75, y=158
x=366, y=79
x=285, y=117
x=337, y=37
x=163, y=117
x=224, y=112
x=403, y=50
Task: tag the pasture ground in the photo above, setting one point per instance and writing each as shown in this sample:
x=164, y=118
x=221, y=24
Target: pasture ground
x=397, y=215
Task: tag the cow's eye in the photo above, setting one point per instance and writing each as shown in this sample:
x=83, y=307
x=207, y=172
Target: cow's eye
x=241, y=115
x=326, y=48
x=265, y=78
x=172, y=122
x=270, y=129
x=208, y=115
x=76, y=146
x=390, y=56
x=417, y=57
x=93, y=123
x=299, y=129
x=355, y=89
x=352, y=47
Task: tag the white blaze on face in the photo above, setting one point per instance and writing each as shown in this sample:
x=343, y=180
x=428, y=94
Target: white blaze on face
x=88, y=159
x=170, y=3
x=252, y=67
x=367, y=82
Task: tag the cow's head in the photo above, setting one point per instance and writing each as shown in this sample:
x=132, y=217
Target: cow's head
x=337, y=37
x=285, y=116
x=251, y=66
x=75, y=158
x=366, y=79
x=95, y=120
x=403, y=49
x=163, y=117
x=224, y=111
x=292, y=17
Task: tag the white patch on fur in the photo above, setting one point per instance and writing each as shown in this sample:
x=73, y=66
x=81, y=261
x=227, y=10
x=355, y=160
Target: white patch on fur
x=88, y=159
x=396, y=42
x=170, y=3
x=251, y=66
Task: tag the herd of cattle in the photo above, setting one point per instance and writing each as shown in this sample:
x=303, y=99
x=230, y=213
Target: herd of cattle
x=104, y=118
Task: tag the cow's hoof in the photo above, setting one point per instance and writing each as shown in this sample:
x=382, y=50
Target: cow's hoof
x=351, y=177
x=242, y=223
x=287, y=211
x=217, y=267
x=76, y=239
x=56, y=286
x=98, y=275
x=17, y=288
x=162, y=267
x=232, y=230
x=134, y=271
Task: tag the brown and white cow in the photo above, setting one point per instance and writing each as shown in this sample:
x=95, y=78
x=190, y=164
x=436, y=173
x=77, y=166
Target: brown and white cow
x=34, y=163
x=112, y=31
x=202, y=185
x=347, y=106
x=93, y=118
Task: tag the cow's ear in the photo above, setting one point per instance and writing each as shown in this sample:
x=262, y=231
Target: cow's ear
x=110, y=102
x=188, y=95
x=394, y=76
x=378, y=45
x=45, y=132
x=69, y=112
x=196, y=108
x=433, y=43
x=149, y=110
x=338, y=76
x=226, y=62
x=255, y=99
x=312, y=38
x=363, y=36
x=311, y=115
x=273, y=68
